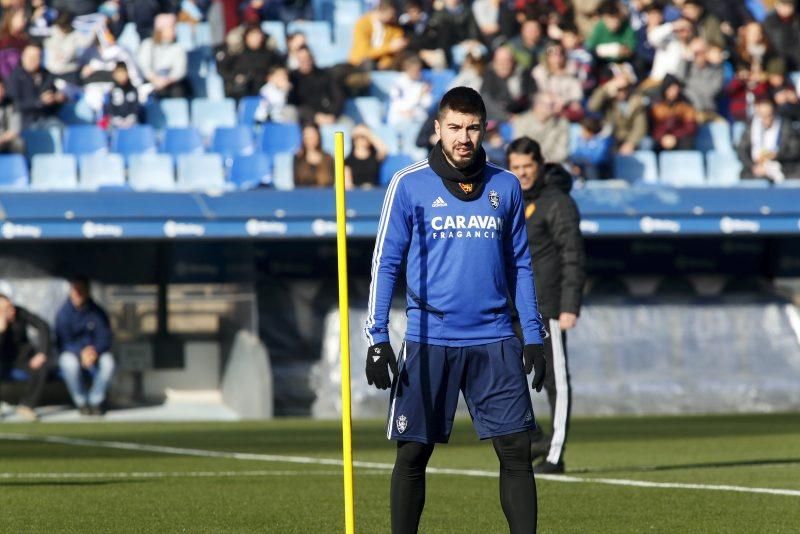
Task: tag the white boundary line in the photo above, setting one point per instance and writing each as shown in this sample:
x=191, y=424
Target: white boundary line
x=172, y=474
x=308, y=460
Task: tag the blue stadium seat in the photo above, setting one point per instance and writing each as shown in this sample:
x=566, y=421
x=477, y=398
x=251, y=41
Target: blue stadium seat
x=408, y=142
x=370, y=110
x=347, y=11
x=183, y=35
x=77, y=113
x=682, y=168
x=168, y=113
x=102, y=170
x=389, y=136
x=440, y=81
x=247, y=110
x=279, y=137
x=724, y=168
x=231, y=142
x=283, y=171
x=327, y=132
x=138, y=139
x=391, y=165
x=151, y=172
x=182, y=141
x=129, y=39
x=248, y=172
x=640, y=166
x=13, y=171
x=207, y=115
x=277, y=31
x=755, y=183
x=506, y=131
x=381, y=82
x=574, y=136
x=714, y=136
x=328, y=55
x=202, y=34
x=84, y=139
x=215, y=85
x=54, y=171
x=41, y=141
x=317, y=32
x=200, y=171
x=343, y=33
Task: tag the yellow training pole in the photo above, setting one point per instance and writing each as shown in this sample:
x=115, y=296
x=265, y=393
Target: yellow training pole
x=344, y=336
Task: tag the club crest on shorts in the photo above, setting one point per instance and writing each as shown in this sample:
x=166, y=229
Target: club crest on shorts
x=402, y=423
x=494, y=199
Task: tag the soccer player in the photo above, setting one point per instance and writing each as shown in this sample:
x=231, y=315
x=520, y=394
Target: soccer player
x=458, y=223
x=553, y=223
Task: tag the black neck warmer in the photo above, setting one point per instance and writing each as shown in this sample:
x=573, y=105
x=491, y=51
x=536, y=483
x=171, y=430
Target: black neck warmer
x=464, y=184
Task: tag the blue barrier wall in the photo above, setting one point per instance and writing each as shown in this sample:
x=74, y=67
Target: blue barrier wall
x=310, y=214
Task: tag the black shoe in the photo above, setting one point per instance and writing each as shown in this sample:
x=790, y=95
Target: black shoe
x=546, y=468
x=540, y=447
x=97, y=410
x=85, y=410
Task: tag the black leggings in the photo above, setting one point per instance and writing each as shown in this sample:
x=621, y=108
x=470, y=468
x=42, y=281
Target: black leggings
x=517, y=486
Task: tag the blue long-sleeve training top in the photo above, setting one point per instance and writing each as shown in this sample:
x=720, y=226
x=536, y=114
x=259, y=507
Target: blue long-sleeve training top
x=77, y=329
x=463, y=261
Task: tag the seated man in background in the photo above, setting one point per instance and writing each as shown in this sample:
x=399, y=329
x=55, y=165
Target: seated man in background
x=377, y=39
x=625, y=112
x=83, y=338
x=770, y=146
x=544, y=126
x=19, y=353
x=34, y=91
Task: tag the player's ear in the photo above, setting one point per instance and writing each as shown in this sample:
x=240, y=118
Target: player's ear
x=437, y=128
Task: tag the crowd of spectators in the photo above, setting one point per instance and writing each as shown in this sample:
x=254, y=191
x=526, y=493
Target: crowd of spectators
x=627, y=74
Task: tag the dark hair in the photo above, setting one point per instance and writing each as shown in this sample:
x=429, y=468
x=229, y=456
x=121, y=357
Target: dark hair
x=386, y=4
x=275, y=68
x=463, y=100
x=79, y=279
x=592, y=124
x=764, y=100
x=64, y=20
x=409, y=4
x=525, y=145
x=121, y=65
x=568, y=26
x=609, y=7
x=411, y=59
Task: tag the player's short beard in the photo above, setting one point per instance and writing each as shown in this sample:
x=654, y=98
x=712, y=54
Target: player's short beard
x=458, y=164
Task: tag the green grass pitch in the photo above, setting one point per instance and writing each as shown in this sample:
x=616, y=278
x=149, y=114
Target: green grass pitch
x=79, y=487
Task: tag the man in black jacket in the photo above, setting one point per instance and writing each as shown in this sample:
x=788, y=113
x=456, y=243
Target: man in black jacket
x=19, y=356
x=34, y=92
x=782, y=28
x=318, y=97
x=557, y=253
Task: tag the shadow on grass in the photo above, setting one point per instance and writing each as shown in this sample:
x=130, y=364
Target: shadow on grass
x=678, y=467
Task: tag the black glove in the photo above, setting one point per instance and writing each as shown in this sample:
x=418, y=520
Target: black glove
x=534, y=360
x=378, y=356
